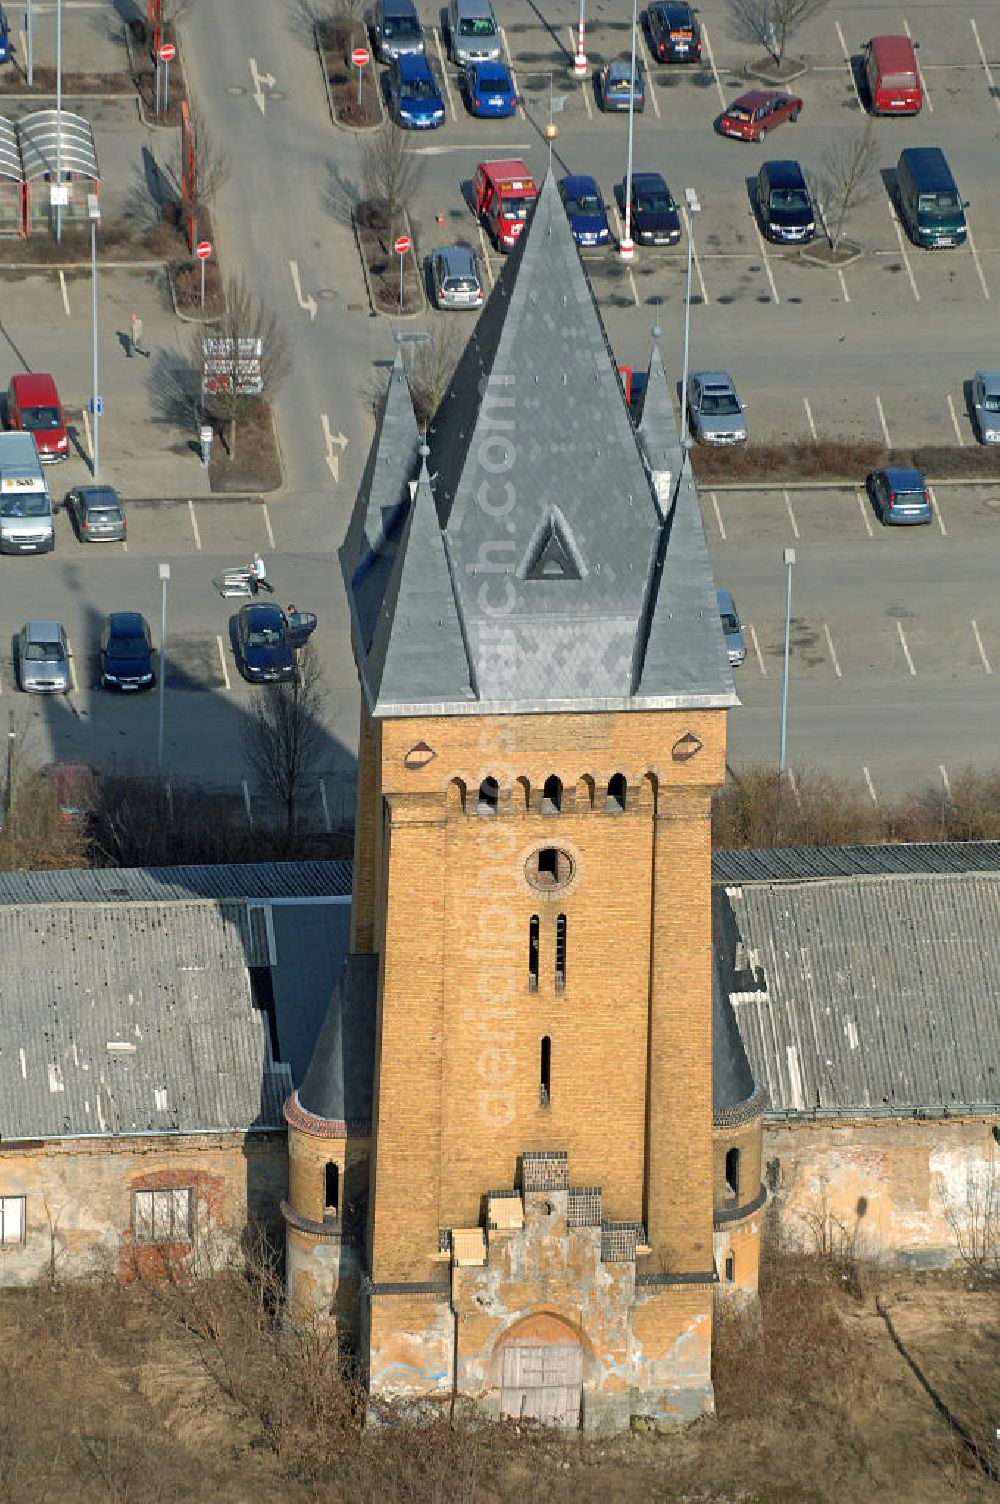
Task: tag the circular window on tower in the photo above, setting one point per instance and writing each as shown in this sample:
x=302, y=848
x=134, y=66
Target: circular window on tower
x=549, y=868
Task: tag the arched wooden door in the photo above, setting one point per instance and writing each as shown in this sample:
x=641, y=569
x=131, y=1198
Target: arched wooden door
x=542, y=1373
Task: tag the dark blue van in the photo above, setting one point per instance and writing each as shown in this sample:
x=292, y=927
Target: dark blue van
x=930, y=204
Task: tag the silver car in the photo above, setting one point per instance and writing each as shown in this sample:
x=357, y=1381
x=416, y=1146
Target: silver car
x=732, y=628
x=43, y=658
x=97, y=514
x=455, y=278
x=473, y=35
x=986, y=401
x=715, y=411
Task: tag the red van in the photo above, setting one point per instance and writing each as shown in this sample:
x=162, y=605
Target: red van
x=33, y=405
x=892, y=76
x=504, y=193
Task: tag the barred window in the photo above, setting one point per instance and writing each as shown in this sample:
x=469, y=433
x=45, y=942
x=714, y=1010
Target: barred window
x=545, y=1083
x=11, y=1220
x=533, y=954
x=162, y=1216
x=560, y=952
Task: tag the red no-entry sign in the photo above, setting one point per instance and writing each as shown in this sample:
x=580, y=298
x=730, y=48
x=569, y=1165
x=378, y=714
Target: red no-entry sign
x=360, y=57
x=167, y=52
x=203, y=250
x=402, y=245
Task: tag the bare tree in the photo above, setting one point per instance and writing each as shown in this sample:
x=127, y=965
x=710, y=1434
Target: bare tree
x=209, y=166
x=975, y=1219
x=432, y=367
x=845, y=180
x=284, y=734
x=771, y=23
x=390, y=177
x=245, y=357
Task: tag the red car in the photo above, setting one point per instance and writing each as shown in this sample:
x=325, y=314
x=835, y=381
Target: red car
x=750, y=117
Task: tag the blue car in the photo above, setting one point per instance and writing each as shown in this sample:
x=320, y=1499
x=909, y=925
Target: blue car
x=489, y=90
x=126, y=652
x=416, y=98
x=588, y=218
x=900, y=497
x=5, y=48
x=617, y=87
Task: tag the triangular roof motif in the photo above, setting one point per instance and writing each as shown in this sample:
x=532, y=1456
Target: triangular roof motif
x=552, y=554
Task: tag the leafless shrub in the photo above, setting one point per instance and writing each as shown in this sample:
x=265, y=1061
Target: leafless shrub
x=283, y=733
x=432, y=368
x=390, y=177
x=245, y=322
x=975, y=1220
x=210, y=166
x=846, y=178
x=771, y=23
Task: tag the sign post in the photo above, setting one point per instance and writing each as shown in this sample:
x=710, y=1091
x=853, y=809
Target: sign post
x=401, y=246
x=360, y=59
x=165, y=55
x=203, y=250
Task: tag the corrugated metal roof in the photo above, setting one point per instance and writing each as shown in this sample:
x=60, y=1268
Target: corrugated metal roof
x=793, y=863
x=131, y=1018
x=263, y=880
x=877, y=993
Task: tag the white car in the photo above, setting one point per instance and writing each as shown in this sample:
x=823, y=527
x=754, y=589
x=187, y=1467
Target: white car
x=715, y=411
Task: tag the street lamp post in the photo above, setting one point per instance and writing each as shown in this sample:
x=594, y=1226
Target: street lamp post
x=59, y=176
x=693, y=208
x=788, y=557
x=94, y=211
x=580, y=61
x=164, y=572
x=627, y=248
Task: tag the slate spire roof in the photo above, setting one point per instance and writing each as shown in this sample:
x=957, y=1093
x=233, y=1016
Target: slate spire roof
x=541, y=560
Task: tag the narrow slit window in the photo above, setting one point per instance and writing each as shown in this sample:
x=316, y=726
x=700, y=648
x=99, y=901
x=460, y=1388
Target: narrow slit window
x=730, y=1268
x=545, y=1092
x=533, y=954
x=733, y=1172
x=560, y=952
x=552, y=795
x=331, y=1189
x=489, y=795
x=617, y=790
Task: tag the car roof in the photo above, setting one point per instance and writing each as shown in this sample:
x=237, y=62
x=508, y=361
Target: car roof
x=489, y=65
x=398, y=8
x=96, y=496
x=672, y=9
x=42, y=631
x=649, y=180
x=414, y=63
x=714, y=378
x=755, y=97
x=474, y=8
x=904, y=480
x=990, y=379
x=126, y=621
x=784, y=174
x=457, y=258
x=725, y=600
x=35, y=386
x=260, y=615
x=577, y=183
x=894, y=54
x=622, y=65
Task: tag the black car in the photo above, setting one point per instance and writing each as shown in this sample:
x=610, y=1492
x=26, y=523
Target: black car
x=674, y=36
x=655, y=220
x=266, y=640
x=784, y=203
x=126, y=652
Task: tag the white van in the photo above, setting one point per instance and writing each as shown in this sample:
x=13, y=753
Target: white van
x=26, y=524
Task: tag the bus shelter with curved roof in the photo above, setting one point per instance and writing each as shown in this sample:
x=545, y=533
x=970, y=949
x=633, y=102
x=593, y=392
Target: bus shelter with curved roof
x=44, y=164
x=11, y=181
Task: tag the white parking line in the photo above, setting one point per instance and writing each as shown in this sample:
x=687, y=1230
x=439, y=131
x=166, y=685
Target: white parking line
x=696, y=259
x=920, y=72
x=833, y=651
x=979, y=268
x=756, y=647
x=791, y=514
x=767, y=264
x=906, y=648
x=635, y=290
x=651, y=91
x=267, y=525
x=986, y=67
x=510, y=65
x=881, y=418
x=809, y=417
x=871, y=786
x=246, y=802
x=937, y=511
x=945, y=779
x=222, y=660
x=954, y=421
x=847, y=60
x=486, y=252
x=865, y=517
x=902, y=251
x=194, y=525
x=843, y=285
x=982, y=651
x=326, y=807
x=65, y=294
x=711, y=62
x=444, y=72
x=718, y=515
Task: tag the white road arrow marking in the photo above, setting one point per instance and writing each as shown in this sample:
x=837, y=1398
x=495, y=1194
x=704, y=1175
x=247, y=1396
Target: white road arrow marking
x=309, y=304
x=331, y=440
x=260, y=82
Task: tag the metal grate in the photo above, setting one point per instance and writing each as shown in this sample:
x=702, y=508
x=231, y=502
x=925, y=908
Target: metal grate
x=545, y=1170
x=584, y=1208
x=444, y=1240
x=619, y=1241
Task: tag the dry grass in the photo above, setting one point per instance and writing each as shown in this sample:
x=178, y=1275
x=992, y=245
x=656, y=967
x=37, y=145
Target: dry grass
x=376, y=240
x=337, y=38
x=255, y=466
x=836, y=459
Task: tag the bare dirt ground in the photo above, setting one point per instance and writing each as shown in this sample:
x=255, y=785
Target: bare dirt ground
x=143, y=1396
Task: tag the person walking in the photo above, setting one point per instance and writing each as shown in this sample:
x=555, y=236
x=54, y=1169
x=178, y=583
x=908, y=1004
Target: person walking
x=259, y=571
x=136, y=328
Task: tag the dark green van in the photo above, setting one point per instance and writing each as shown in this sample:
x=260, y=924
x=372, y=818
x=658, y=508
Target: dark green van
x=930, y=204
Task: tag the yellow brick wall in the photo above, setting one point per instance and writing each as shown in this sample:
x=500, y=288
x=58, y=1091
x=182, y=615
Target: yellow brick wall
x=307, y=1161
x=747, y=1139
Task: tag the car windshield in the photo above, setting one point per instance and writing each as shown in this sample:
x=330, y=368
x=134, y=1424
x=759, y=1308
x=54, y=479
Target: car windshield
x=497, y=82
x=730, y=623
x=938, y=205
x=991, y=402
x=266, y=637
x=587, y=203
x=418, y=88
x=402, y=28
x=477, y=26
x=131, y=646
x=25, y=504
x=43, y=652
x=719, y=404
x=517, y=208
x=789, y=198
x=654, y=203
x=34, y=419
